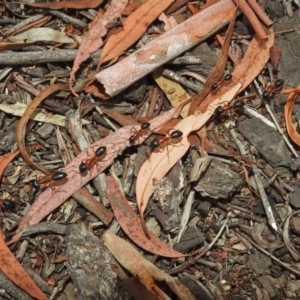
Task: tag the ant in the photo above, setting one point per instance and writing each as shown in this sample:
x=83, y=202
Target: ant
x=221, y=109
x=227, y=77
x=161, y=143
x=271, y=89
x=51, y=178
x=8, y=204
x=216, y=85
x=87, y=164
x=136, y=134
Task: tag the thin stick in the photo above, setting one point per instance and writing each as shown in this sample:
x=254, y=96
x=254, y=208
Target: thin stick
x=40, y=57
x=257, y=26
x=260, y=13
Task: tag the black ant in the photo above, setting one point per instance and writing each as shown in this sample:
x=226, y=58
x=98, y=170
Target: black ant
x=216, y=85
x=227, y=77
x=51, y=179
x=160, y=143
x=270, y=90
x=87, y=164
x=221, y=109
x=8, y=204
x=136, y=134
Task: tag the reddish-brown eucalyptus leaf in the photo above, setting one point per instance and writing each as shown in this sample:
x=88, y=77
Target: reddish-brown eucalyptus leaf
x=135, y=288
x=218, y=71
x=92, y=40
x=251, y=65
x=115, y=143
x=159, y=163
x=15, y=272
x=132, y=225
x=292, y=90
x=5, y=160
x=21, y=126
x=77, y=4
x=169, y=22
x=275, y=53
x=294, y=135
x=133, y=28
x=141, y=268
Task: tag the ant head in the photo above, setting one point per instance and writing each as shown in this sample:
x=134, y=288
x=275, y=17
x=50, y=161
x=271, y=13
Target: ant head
x=266, y=95
x=214, y=86
x=279, y=83
x=154, y=144
x=9, y=204
x=219, y=110
x=131, y=139
x=227, y=77
x=83, y=167
x=145, y=125
x=238, y=104
x=100, y=151
x=35, y=184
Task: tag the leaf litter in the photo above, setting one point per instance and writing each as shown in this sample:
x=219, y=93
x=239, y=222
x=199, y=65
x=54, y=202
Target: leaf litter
x=140, y=267
x=160, y=162
x=115, y=143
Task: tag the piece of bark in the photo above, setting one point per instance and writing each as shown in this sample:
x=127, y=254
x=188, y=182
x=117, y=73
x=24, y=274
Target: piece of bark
x=88, y=264
x=169, y=199
x=259, y=263
x=190, y=239
x=219, y=181
x=290, y=45
x=267, y=141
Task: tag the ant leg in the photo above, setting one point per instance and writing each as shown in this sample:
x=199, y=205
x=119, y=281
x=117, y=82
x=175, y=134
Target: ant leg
x=55, y=189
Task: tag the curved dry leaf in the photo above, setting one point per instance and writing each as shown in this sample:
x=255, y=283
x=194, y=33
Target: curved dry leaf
x=286, y=238
x=21, y=126
x=133, y=28
x=294, y=135
x=15, y=272
x=218, y=71
x=40, y=114
x=275, y=54
x=288, y=91
x=178, y=92
x=115, y=143
x=5, y=160
x=132, y=225
x=41, y=34
x=159, y=163
x=249, y=68
x=141, y=268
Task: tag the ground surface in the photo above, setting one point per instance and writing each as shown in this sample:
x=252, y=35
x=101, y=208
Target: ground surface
x=241, y=208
